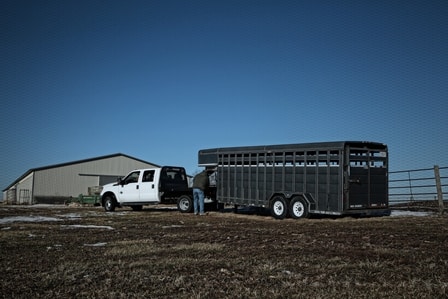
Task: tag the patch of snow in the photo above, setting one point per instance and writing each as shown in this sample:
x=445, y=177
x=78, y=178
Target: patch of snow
x=27, y=219
x=56, y=246
x=70, y=216
x=87, y=226
x=39, y=205
x=172, y=226
x=116, y=214
x=100, y=244
x=410, y=213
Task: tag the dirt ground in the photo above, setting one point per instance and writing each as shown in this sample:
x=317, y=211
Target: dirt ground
x=84, y=252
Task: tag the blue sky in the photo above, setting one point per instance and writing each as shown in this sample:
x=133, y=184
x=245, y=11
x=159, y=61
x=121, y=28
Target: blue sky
x=159, y=80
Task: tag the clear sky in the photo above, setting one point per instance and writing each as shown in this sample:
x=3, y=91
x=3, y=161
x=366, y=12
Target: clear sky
x=160, y=80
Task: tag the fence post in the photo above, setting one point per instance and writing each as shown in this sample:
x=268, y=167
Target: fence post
x=439, y=189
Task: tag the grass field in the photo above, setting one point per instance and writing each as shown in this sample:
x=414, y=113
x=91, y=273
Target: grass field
x=83, y=252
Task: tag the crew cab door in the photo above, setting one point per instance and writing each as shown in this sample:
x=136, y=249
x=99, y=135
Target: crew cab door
x=149, y=188
x=129, y=188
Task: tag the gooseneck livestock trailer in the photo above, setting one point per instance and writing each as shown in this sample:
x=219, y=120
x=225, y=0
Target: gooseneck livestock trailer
x=333, y=178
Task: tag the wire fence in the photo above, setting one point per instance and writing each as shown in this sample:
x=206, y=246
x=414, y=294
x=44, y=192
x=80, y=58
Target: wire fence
x=407, y=186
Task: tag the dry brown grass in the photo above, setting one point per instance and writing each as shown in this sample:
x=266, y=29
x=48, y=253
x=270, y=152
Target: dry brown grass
x=160, y=253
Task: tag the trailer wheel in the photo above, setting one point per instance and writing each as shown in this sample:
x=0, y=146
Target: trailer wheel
x=109, y=204
x=298, y=208
x=279, y=207
x=185, y=204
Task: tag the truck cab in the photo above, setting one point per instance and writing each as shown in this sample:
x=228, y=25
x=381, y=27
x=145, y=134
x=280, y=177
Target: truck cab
x=144, y=187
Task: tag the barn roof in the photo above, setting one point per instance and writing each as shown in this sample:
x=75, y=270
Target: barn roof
x=73, y=163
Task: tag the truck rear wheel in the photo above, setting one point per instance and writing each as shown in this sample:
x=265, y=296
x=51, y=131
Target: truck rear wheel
x=109, y=204
x=279, y=207
x=185, y=204
x=298, y=208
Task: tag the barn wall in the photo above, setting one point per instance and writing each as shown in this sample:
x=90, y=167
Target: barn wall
x=20, y=193
x=58, y=183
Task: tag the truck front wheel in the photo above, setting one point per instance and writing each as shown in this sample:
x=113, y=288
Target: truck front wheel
x=109, y=204
x=185, y=204
x=279, y=207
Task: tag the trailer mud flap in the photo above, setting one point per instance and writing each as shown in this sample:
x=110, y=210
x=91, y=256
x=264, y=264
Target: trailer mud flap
x=311, y=202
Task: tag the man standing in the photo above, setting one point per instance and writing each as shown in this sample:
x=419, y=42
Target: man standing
x=200, y=185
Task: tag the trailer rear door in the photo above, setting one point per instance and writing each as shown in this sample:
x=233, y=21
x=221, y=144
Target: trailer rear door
x=367, y=178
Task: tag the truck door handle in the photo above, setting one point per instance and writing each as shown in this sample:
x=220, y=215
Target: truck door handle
x=136, y=187
x=152, y=186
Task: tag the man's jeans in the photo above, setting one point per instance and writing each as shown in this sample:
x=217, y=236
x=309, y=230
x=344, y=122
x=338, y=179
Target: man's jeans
x=198, y=200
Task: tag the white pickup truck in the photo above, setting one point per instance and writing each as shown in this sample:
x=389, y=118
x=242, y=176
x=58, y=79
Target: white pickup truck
x=168, y=184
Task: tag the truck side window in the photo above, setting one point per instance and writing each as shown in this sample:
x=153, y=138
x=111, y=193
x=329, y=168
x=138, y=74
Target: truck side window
x=148, y=176
x=132, y=177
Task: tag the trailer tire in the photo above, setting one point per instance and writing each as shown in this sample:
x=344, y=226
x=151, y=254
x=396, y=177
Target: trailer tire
x=279, y=207
x=109, y=204
x=298, y=208
x=185, y=204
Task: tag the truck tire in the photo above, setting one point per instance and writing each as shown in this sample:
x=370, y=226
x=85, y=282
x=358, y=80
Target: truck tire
x=185, y=204
x=298, y=208
x=279, y=207
x=109, y=204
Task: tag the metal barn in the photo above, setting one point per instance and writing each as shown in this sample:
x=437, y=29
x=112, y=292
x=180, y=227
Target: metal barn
x=55, y=184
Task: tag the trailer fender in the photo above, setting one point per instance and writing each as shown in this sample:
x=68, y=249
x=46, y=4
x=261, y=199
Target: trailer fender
x=299, y=204
x=310, y=200
x=289, y=195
